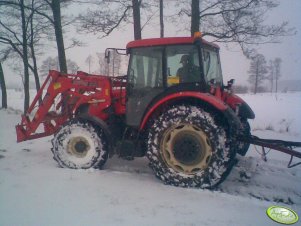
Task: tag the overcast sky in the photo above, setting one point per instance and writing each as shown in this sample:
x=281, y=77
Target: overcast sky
x=234, y=64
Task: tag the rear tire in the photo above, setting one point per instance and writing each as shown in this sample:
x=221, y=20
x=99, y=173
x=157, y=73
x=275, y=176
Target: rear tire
x=187, y=148
x=80, y=145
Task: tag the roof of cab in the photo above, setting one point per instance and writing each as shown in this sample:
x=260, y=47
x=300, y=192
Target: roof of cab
x=166, y=41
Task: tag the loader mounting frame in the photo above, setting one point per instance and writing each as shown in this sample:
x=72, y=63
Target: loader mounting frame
x=64, y=95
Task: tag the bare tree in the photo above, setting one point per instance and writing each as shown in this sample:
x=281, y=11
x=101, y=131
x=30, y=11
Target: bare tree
x=232, y=21
x=3, y=87
x=29, y=16
x=271, y=75
x=116, y=64
x=20, y=33
x=240, y=88
x=25, y=55
x=161, y=19
x=38, y=27
x=103, y=65
x=53, y=6
x=72, y=67
x=114, y=68
x=277, y=65
x=106, y=16
x=51, y=63
x=56, y=10
x=195, y=16
x=136, y=18
x=17, y=68
x=274, y=73
x=257, y=72
x=89, y=61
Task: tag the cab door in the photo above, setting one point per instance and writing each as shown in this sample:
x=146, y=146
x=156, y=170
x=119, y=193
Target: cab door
x=145, y=81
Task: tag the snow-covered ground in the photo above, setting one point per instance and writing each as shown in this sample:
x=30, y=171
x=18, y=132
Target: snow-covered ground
x=35, y=191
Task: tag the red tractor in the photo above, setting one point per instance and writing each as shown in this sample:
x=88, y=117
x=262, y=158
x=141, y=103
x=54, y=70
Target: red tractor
x=171, y=107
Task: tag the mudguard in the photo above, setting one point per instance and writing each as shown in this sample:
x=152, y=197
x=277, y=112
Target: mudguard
x=237, y=103
x=245, y=111
x=209, y=99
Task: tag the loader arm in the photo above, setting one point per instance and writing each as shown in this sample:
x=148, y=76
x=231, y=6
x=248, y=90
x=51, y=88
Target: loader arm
x=64, y=94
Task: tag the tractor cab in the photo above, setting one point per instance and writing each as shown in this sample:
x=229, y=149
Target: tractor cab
x=162, y=66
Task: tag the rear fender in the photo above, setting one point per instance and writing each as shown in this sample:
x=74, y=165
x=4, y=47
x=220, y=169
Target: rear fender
x=209, y=99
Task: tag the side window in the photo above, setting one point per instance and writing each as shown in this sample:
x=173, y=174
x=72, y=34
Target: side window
x=146, y=68
x=182, y=64
x=212, y=67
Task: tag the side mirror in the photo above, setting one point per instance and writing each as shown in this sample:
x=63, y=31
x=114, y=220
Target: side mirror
x=230, y=82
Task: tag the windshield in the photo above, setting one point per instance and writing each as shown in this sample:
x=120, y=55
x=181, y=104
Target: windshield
x=212, y=66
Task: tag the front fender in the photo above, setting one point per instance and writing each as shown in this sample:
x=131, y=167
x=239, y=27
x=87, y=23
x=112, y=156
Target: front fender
x=101, y=124
x=238, y=104
x=245, y=111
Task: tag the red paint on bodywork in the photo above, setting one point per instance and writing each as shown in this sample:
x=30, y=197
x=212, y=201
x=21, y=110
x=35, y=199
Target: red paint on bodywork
x=232, y=100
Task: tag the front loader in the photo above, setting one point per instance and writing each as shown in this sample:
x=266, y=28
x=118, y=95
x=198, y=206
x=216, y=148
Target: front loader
x=171, y=107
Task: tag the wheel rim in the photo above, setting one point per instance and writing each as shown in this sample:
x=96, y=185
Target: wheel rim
x=186, y=148
x=78, y=146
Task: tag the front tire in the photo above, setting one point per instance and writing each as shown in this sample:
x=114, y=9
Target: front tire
x=80, y=145
x=187, y=148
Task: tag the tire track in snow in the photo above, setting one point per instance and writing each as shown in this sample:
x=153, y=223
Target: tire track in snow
x=269, y=181
x=251, y=177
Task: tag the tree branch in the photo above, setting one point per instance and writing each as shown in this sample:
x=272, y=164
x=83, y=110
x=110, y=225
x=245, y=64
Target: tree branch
x=10, y=31
x=228, y=10
x=29, y=8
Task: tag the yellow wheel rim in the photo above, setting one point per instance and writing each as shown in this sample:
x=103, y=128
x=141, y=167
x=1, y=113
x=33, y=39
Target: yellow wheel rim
x=78, y=146
x=186, y=148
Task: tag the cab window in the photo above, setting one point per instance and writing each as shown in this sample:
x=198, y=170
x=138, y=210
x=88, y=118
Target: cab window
x=212, y=66
x=145, y=68
x=182, y=64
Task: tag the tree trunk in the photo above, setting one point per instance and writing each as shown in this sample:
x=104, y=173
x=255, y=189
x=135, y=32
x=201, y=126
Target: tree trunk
x=256, y=77
x=25, y=57
x=272, y=82
x=161, y=20
x=3, y=88
x=195, y=16
x=137, y=22
x=35, y=68
x=56, y=10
